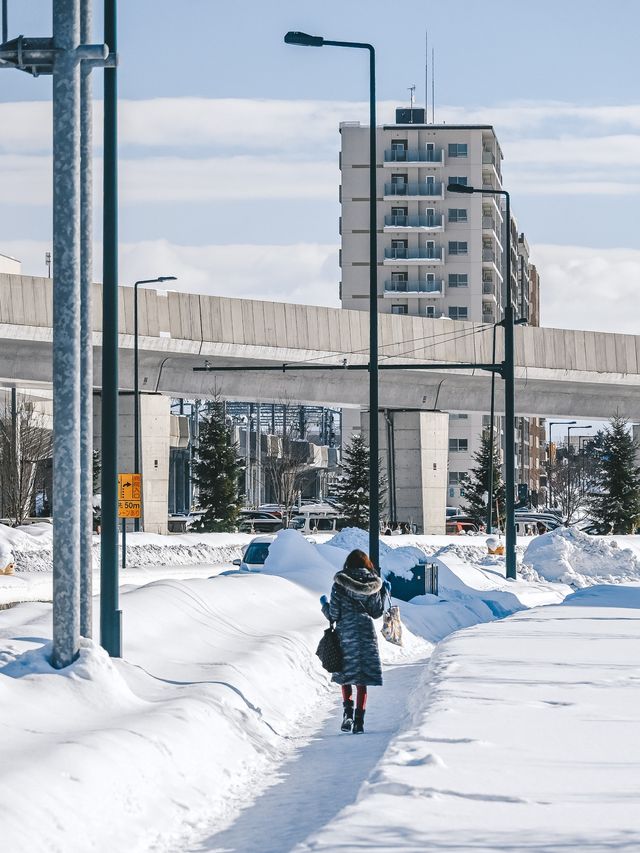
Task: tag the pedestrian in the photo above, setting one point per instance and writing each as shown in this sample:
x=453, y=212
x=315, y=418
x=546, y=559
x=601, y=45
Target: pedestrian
x=358, y=597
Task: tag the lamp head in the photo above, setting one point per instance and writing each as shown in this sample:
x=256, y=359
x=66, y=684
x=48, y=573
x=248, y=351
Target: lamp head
x=304, y=39
x=459, y=188
x=167, y=278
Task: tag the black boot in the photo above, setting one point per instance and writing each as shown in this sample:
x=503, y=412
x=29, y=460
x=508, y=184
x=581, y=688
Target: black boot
x=358, y=722
x=347, y=717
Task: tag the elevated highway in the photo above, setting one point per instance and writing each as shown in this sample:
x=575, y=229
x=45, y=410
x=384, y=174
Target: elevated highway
x=559, y=372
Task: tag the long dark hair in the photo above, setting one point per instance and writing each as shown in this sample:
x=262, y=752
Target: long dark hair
x=359, y=560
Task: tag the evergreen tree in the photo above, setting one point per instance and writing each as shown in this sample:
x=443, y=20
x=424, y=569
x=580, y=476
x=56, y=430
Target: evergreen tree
x=476, y=483
x=215, y=472
x=354, y=489
x=616, y=506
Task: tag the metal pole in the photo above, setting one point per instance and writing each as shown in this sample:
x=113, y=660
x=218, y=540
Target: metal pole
x=374, y=473
x=86, y=342
x=110, y=615
x=124, y=543
x=258, y=456
x=66, y=333
x=136, y=394
x=5, y=22
x=509, y=408
x=491, y=445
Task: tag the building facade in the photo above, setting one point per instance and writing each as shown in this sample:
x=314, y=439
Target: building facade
x=440, y=254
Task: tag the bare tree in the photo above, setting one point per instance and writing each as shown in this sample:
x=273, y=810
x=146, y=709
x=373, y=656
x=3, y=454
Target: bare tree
x=25, y=441
x=570, y=482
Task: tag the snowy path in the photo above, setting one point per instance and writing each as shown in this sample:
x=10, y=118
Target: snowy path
x=322, y=778
x=526, y=741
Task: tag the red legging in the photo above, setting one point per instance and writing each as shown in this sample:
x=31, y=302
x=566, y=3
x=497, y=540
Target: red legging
x=361, y=695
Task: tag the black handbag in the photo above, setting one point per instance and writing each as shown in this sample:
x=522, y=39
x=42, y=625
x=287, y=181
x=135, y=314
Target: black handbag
x=329, y=650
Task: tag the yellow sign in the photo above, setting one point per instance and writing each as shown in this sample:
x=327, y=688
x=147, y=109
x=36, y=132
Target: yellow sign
x=129, y=495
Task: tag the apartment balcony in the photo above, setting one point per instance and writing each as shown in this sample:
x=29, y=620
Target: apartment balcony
x=414, y=256
x=414, y=189
x=488, y=317
x=421, y=289
x=489, y=290
x=490, y=258
x=414, y=156
x=414, y=223
x=489, y=223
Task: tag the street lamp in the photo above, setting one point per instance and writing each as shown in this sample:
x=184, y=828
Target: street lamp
x=569, y=428
x=509, y=382
x=551, y=425
x=581, y=453
x=136, y=389
x=521, y=322
x=306, y=40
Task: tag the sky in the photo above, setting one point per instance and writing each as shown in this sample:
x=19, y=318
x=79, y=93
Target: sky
x=229, y=138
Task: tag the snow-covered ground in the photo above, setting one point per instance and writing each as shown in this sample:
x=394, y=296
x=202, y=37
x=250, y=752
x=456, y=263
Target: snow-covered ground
x=218, y=729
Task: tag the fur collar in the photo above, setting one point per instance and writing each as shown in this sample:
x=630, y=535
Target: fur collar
x=364, y=587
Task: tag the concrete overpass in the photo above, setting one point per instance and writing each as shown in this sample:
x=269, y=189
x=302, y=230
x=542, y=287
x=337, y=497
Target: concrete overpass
x=558, y=372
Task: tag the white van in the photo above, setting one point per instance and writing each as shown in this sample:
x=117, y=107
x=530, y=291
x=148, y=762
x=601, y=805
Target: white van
x=311, y=522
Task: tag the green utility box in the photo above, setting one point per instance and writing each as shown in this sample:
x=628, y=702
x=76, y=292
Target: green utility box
x=424, y=580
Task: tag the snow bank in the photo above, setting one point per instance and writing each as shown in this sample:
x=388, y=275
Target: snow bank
x=399, y=559
x=31, y=546
x=572, y=557
x=219, y=679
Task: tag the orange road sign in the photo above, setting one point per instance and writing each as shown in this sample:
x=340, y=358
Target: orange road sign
x=129, y=495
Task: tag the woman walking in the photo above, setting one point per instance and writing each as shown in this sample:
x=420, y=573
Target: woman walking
x=357, y=598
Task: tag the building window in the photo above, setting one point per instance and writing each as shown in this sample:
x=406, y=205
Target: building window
x=457, y=416
x=457, y=149
x=458, y=445
x=457, y=214
x=458, y=279
x=399, y=309
x=458, y=180
x=458, y=247
x=458, y=312
x=456, y=477
x=430, y=311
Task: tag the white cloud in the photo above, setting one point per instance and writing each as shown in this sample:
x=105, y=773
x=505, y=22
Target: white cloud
x=305, y=273
x=585, y=288
x=28, y=179
x=258, y=146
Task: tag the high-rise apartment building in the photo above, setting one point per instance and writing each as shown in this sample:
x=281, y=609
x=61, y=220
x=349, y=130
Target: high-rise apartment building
x=440, y=254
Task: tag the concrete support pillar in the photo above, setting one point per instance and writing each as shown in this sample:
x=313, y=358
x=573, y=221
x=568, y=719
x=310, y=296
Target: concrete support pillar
x=155, y=434
x=414, y=448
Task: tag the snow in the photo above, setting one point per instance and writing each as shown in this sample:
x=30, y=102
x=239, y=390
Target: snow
x=218, y=729
x=572, y=557
x=522, y=738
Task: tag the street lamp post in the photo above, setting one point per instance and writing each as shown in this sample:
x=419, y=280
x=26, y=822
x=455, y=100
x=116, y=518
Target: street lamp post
x=509, y=382
x=136, y=389
x=521, y=322
x=559, y=423
x=581, y=454
x=305, y=40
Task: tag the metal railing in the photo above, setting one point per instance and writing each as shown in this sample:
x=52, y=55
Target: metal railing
x=414, y=188
x=402, y=254
x=414, y=155
x=426, y=288
x=405, y=221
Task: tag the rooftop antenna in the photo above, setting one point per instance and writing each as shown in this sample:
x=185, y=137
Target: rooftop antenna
x=412, y=90
x=426, y=74
x=433, y=86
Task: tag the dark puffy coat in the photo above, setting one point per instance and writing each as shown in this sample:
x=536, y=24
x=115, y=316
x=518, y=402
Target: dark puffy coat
x=356, y=599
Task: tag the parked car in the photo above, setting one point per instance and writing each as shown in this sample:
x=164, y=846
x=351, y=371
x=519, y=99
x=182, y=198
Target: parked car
x=311, y=522
x=257, y=521
x=255, y=554
x=461, y=524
